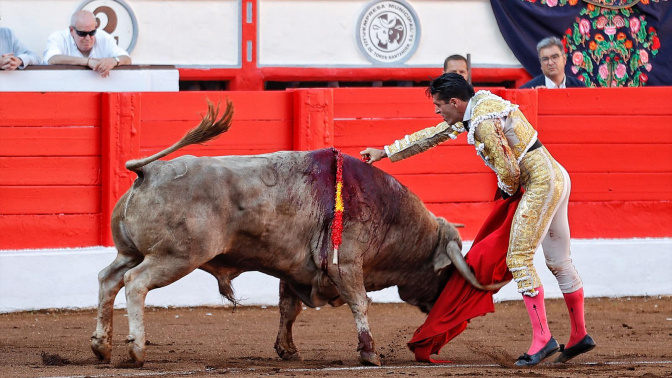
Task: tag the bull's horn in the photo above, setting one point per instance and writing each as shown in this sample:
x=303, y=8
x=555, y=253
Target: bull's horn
x=460, y=263
x=388, y=24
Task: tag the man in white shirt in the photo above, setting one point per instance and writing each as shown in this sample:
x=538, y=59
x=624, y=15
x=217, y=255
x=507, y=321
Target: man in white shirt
x=13, y=53
x=84, y=45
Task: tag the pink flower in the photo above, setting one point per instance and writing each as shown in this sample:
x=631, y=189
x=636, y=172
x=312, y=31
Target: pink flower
x=643, y=77
x=634, y=25
x=575, y=70
x=648, y=66
x=619, y=21
x=584, y=27
x=604, y=71
x=577, y=58
x=610, y=30
x=644, y=56
x=620, y=71
x=551, y=3
x=601, y=22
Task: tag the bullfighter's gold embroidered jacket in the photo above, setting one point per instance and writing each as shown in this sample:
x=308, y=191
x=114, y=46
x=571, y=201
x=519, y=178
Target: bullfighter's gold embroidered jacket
x=498, y=129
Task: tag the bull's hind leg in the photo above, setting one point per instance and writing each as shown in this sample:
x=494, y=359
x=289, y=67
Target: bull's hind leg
x=290, y=307
x=110, y=281
x=152, y=273
x=353, y=293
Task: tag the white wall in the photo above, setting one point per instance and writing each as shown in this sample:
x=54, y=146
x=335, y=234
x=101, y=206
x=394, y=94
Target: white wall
x=42, y=279
x=323, y=33
x=291, y=32
x=178, y=32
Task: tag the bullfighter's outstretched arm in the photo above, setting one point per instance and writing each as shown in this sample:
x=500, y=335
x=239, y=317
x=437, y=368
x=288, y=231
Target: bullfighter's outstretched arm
x=422, y=140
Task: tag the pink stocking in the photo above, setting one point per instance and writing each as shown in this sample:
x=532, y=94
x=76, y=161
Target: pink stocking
x=537, y=312
x=574, y=303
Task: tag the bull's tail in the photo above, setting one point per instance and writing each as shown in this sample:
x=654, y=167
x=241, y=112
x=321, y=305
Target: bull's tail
x=210, y=127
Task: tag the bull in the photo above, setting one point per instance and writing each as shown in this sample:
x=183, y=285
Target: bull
x=272, y=213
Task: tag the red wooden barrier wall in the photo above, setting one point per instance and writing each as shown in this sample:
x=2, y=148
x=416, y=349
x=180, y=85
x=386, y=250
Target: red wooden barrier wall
x=62, y=155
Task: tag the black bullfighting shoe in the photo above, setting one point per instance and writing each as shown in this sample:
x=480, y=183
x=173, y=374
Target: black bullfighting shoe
x=585, y=345
x=548, y=350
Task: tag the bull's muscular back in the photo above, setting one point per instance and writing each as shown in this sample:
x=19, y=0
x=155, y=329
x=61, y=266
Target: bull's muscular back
x=272, y=213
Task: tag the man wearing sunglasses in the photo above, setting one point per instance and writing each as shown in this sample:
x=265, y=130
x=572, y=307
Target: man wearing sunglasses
x=85, y=45
x=553, y=60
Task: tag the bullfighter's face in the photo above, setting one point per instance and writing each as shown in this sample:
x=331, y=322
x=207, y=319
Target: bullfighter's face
x=452, y=111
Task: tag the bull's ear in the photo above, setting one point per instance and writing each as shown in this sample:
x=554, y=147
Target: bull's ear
x=442, y=258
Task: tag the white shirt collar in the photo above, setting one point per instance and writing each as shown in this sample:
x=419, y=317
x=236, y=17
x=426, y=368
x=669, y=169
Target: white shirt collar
x=551, y=85
x=467, y=112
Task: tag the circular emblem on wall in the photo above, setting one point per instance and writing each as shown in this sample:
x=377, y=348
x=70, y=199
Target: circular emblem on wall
x=388, y=31
x=116, y=18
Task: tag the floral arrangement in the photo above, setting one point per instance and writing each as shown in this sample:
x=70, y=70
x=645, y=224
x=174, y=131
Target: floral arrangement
x=611, y=47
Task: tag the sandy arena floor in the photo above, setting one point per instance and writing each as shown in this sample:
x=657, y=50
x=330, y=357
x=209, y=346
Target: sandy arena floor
x=634, y=337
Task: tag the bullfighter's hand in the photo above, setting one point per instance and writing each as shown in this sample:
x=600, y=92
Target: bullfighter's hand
x=372, y=155
x=104, y=66
x=540, y=87
x=10, y=62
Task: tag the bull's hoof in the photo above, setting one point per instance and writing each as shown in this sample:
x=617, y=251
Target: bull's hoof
x=288, y=354
x=291, y=356
x=101, y=348
x=369, y=358
x=136, y=351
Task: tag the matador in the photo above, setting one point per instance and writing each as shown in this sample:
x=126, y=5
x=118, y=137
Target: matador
x=508, y=144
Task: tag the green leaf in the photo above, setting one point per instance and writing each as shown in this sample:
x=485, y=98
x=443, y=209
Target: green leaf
x=634, y=60
x=589, y=63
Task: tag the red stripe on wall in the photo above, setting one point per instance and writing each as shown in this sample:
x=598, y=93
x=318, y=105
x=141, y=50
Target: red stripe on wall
x=50, y=109
x=50, y=200
x=50, y=170
x=50, y=141
x=49, y=231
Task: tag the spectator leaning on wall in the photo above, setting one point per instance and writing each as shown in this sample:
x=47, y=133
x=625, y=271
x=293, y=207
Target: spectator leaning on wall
x=553, y=60
x=13, y=53
x=84, y=45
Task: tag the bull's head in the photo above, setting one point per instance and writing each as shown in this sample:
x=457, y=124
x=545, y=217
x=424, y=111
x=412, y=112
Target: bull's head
x=388, y=31
x=447, y=258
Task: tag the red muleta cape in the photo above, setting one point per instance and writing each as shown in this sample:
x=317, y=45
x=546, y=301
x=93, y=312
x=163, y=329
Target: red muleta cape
x=459, y=301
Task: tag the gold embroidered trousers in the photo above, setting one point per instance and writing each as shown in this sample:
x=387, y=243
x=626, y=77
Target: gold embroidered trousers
x=541, y=218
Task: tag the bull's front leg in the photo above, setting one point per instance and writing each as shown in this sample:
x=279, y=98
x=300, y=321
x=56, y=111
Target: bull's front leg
x=110, y=280
x=353, y=292
x=366, y=346
x=290, y=307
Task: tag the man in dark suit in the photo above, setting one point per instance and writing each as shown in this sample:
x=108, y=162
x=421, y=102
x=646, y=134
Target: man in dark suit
x=553, y=60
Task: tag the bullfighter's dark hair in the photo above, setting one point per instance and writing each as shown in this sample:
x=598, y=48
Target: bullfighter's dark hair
x=450, y=85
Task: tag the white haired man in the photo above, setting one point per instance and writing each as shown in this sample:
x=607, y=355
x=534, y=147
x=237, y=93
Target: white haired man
x=85, y=45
